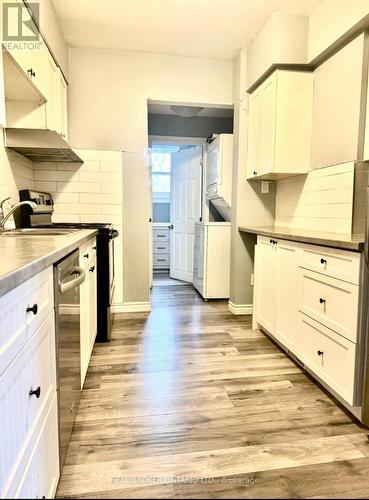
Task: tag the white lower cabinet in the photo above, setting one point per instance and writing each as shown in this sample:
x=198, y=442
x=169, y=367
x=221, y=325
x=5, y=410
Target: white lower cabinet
x=40, y=477
x=312, y=314
x=275, y=291
x=88, y=301
x=330, y=356
x=266, y=277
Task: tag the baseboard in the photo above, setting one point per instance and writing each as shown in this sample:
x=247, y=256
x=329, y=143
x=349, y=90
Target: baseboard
x=238, y=309
x=131, y=307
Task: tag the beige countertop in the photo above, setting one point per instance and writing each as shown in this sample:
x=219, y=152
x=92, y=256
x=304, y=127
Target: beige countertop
x=334, y=240
x=21, y=257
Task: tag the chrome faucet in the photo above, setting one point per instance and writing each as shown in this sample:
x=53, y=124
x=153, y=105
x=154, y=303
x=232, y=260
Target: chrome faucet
x=3, y=220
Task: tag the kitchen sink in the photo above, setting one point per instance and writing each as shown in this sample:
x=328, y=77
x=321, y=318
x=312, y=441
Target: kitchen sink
x=38, y=232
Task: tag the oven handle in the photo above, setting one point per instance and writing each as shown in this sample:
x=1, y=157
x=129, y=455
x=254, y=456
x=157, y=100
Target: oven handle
x=69, y=285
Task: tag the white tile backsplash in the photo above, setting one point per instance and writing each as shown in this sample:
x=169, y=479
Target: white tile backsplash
x=91, y=192
x=322, y=200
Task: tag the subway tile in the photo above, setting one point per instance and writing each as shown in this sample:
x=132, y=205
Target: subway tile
x=60, y=217
x=107, y=177
x=78, y=187
x=46, y=186
x=66, y=197
x=111, y=188
x=111, y=166
x=56, y=175
x=68, y=166
x=108, y=199
x=45, y=165
x=90, y=166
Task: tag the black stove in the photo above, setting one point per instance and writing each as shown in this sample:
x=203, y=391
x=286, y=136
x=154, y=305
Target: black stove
x=41, y=217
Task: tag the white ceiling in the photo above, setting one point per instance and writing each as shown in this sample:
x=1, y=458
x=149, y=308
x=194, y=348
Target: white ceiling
x=199, y=28
x=165, y=109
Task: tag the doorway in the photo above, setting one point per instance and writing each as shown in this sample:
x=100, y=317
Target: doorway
x=176, y=180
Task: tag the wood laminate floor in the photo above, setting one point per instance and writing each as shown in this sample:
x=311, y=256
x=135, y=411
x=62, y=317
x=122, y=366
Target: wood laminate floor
x=189, y=402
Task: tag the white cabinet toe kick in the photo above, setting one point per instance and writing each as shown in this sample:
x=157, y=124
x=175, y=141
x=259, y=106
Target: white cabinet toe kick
x=309, y=299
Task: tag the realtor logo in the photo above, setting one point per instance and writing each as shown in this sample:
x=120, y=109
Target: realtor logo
x=19, y=28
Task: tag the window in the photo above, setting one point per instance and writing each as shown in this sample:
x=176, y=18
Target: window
x=160, y=176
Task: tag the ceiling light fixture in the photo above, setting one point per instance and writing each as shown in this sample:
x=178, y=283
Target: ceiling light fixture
x=186, y=111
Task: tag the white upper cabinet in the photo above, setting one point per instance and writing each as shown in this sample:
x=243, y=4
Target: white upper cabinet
x=279, y=132
x=51, y=74
x=338, y=111
x=61, y=103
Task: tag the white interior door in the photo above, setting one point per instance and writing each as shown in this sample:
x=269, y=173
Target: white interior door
x=185, y=210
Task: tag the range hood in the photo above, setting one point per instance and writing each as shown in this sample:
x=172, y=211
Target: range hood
x=40, y=145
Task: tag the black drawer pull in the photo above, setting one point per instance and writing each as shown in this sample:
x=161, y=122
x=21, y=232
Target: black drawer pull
x=320, y=353
x=323, y=261
x=94, y=248
x=161, y=248
x=160, y=260
x=92, y=269
x=36, y=393
x=255, y=173
x=161, y=235
x=322, y=301
x=33, y=309
x=86, y=255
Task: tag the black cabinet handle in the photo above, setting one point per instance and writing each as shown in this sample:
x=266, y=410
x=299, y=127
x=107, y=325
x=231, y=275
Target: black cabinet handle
x=255, y=173
x=33, y=309
x=273, y=242
x=323, y=261
x=94, y=248
x=36, y=392
x=322, y=301
x=171, y=226
x=31, y=72
x=320, y=353
x=92, y=269
x=86, y=255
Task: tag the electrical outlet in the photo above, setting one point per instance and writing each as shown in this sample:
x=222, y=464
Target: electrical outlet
x=264, y=187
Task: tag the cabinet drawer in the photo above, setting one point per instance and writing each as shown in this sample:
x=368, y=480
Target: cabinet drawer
x=41, y=475
x=87, y=252
x=161, y=261
x=329, y=356
x=16, y=324
x=159, y=247
x=330, y=301
x=22, y=414
x=343, y=265
x=161, y=235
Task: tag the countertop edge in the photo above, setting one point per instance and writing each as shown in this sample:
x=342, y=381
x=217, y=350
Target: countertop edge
x=326, y=242
x=15, y=278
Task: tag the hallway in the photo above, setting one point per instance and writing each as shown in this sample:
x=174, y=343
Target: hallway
x=189, y=402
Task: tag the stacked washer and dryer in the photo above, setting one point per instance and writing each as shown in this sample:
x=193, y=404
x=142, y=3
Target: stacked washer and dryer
x=212, y=250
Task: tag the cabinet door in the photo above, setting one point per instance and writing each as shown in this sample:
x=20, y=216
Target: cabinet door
x=51, y=91
x=85, y=326
x=62, y=120
x=254, y=135
x=92, y=305
x=266, y=284
x=287, y=325
x=268, y=124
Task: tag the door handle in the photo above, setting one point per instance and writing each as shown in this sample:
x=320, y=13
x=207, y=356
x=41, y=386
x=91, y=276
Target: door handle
x=69, y=285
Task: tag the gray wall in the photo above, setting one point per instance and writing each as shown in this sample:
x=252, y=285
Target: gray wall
x=198, y=126
x=249, y=206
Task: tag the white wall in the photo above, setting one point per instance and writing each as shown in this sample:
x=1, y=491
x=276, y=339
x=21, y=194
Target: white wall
x=282, y=40
x=332, y=19
x=108, y=110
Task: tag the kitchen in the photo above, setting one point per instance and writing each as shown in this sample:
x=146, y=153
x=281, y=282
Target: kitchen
x=111, y=388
